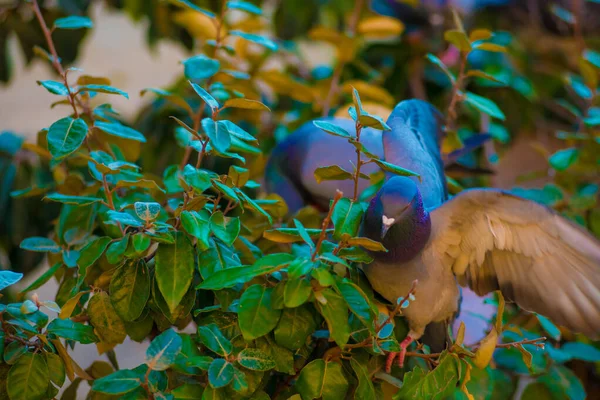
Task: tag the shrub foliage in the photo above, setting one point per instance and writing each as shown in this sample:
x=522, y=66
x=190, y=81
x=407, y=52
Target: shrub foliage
x=158, y=229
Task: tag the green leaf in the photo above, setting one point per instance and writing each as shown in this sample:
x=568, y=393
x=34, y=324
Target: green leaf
x=294, y=327
x=119, y=382
x=56, y=369
x=365, y=389
x=366, y=243
x=593, y=57
x=492, y=47
x=163, y=350
x=192, y=6
x=55, y=87
x=255, y=359
x=216, y=258
x=92, y=252
x=563, y=159
x=72, y=200
x=394, y=169
x=261, y=40
x=200, y=67
x=246, y=104
x=130, y=289
x=108, y=326
x=459, y=39
x=219, y=137
x=40, y=244
x=335, y=312
x=120, y=130
x=226, y=229
x=322, y=379
x=359, y=303
x=332, y=129
x=73, y=22
x=28, y=379
x=67, y=329
x=236, y=131
x=296, y=292
x=174, y=269
x=146, y=211
x=202, y=362
x=346, y=218
x=549, y=327
x=440, y=64
x=116, y=250
x=331, y=173
x=563, y=14
x=8, y=278
x=435, y=385
x=244, y=6
x=196, y=225
x=42, y=279
x=102, y=89
x=220, y=373
x=204, y=95
x=198, y=179
x=173, y=98
x=123, y=218
x=582, y=351
x=188, y=391
x=211, y=336
x=304, y=234
x=232, y=276
x=484, y=105
x=240, y=383
x=563, y=383
x=65, y=136
x=13, y=351
x=372, y=121
x=256, y=315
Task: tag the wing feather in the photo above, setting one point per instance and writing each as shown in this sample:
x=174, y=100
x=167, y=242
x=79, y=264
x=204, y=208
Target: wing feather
x=494, y=240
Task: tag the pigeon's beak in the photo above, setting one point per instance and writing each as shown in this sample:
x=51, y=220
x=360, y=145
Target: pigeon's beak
x=386, y=225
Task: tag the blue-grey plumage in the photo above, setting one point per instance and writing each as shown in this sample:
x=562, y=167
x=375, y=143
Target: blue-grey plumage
x=412, y=143
x=485, y=239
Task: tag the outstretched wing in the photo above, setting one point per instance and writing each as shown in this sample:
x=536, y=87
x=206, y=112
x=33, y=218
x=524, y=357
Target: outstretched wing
x=540, y=260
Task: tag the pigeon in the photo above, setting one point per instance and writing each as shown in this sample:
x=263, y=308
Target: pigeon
x=412, y=143
x=487, y=240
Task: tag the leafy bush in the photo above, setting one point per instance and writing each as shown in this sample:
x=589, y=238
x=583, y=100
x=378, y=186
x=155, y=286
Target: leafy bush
x=161, y=224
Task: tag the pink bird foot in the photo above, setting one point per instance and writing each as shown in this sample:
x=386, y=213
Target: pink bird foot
x=401, y=354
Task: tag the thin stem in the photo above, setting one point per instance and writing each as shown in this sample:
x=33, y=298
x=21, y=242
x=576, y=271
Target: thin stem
x=197, y=117
x=55, y=60
x=399, y=306
x=577, y=9
x=326, y=222
x=358, y=162
x=452, y=115
x=337, y=73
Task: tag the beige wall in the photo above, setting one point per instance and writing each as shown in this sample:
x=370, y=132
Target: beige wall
x=115, y=48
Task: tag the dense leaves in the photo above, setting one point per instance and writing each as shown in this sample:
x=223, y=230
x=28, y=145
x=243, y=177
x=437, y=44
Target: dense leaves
x=158, y=229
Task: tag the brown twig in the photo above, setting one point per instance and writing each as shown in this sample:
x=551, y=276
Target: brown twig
x=398, y=307
x=197, y=117
x=358, y=161
x=337, y=73
x=452, y=114
x=326, y=222
x=55, y=60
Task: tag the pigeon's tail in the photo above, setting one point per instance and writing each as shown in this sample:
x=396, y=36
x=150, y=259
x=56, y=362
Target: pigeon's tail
x=437, y=336
x=469, y=145
x=277, y=180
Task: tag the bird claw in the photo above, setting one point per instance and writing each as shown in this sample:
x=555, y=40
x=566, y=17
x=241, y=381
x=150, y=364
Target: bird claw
x=400, y=354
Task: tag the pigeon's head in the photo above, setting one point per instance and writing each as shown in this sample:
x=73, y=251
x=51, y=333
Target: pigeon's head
x=399, y=197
